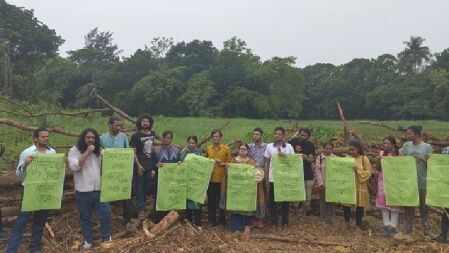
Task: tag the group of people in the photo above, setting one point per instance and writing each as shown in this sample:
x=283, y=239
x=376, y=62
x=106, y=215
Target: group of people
x=85, y=161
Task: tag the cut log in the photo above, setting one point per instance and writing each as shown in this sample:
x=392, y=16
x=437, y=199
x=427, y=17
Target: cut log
x=164, y=224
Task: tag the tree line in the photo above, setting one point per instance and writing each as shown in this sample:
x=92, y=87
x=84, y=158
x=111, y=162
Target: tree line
x=196, y=78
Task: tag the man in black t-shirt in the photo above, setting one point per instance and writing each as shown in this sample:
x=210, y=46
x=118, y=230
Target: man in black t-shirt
x=144, y=160
x=303, y=146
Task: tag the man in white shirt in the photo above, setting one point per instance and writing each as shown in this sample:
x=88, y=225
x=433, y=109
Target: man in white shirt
x=85, y=162
x=281, y=148
x=39, y=217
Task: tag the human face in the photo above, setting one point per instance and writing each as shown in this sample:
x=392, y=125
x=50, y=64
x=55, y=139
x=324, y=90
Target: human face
x=411, y=136
x=115, y=127
x=167, y=139
x=89, y=139
x=216, y=138
x=191, y=143
x=278, y=136
x=303, y=136
x=328, y=149
x=42, y=139
x=243, y=151
x=353, y=151
x=387, y=145
x=257, y=136
x=145, y=123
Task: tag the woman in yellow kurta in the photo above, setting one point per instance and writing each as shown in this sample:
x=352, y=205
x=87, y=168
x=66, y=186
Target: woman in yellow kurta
x=362, y=169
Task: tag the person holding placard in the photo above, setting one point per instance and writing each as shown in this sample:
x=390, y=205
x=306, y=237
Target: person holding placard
x=442, y=237
x=166, y=153
x=222, y=155
x=421, y=151
x=242, y=221
x=256, y=152
x=281, y=148
x=390, y=215
x=192, y=207
x=41, y=138
x=144, y=161
x=114, y=138
x=303, y=146
x=85, y=162
x=326, y=209
x=362, y=169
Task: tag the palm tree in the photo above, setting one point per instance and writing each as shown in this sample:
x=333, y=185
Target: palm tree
x=414, y=55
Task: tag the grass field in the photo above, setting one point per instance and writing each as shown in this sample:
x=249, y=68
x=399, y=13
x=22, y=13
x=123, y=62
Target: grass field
x=238, y=128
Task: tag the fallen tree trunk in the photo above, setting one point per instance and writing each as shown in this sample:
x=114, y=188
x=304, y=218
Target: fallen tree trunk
x=164, y=224
x=208, y=137
x=94, y=93
x=21, y=126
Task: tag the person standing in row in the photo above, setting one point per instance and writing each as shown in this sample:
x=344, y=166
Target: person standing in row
x=442, y=237
x=256, y=152
x=420, y=151
x=85, y=162
x=144, y=161
x=40, y=146
x=281, y=148
x=166, y=153
x=303, y=146
x=390, y=215
x=222, y=155
x=362, y=169
x=192, y=207
x=326, y=208
x=114, y=138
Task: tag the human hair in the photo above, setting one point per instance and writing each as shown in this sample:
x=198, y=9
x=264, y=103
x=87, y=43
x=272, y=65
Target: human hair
x=305, y=130
x=358, y=145
x=192, y=137
x=167, y=132
x=393, y=143
x=415, y=129
x=38, y=130
x=141, y=117
x=258, y=129
x=328, y=144
x=244, y=144
x=279, y=129
x=113, y=119
x=81, y=143
x=216, y=131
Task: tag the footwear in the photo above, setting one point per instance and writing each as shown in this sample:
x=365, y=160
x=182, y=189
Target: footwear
x=440, y=239
x=87, y=245
x=386, y=231
x=129, y=228
x=393, y=231
x=259, y=224
x=200, y=229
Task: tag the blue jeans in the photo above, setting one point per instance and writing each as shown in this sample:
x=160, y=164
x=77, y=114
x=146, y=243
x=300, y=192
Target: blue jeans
x=39, y=219
x=87, y=202
x=239, y=221
x=141, y=188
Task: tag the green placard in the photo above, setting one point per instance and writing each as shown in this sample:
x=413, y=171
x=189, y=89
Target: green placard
x=198, y=170
x=438, y=181
x=241, y=192
x=340, y=180
x=44, y=182
x=116, y=174
x=400, y=180
x=171, y=187
x=288, y=177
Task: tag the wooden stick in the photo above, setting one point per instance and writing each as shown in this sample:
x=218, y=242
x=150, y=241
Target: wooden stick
x=293, y=240
x=50, y=231
x=16, y=124
x=94, y=93
x=164, y=224
x=208, y=137
x=345, y=123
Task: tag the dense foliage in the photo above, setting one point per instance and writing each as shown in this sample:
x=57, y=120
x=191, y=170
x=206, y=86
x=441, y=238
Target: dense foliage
x=197, y=79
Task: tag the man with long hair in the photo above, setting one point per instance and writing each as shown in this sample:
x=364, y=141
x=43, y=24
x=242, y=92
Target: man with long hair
x=40, y=217
x=85, y=162
x=144, y=160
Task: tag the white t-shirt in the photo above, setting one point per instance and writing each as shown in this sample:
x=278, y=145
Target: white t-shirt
x=271, y=150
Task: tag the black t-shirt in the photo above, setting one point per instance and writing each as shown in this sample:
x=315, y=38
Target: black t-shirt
x=306, y=148
x=143, y=143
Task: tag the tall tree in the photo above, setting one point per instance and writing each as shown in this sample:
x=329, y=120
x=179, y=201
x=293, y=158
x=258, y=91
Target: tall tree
x=414, y=55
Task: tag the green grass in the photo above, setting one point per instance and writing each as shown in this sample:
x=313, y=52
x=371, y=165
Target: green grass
x=239, y=128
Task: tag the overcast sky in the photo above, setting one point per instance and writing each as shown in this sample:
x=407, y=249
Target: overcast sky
x=314, y=31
